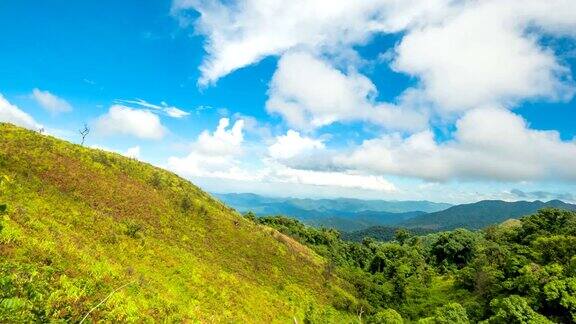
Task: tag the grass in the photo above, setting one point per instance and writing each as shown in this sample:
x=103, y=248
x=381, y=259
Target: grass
x=81, y=223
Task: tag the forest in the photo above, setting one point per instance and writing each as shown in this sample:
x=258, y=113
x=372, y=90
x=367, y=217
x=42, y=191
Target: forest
x=520, y=271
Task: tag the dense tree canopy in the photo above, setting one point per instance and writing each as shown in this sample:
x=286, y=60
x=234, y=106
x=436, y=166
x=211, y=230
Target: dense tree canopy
x=521, y=271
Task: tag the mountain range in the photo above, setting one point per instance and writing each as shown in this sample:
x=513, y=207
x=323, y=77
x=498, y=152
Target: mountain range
x=480, y=214
x=380, y=216
x=344, y=214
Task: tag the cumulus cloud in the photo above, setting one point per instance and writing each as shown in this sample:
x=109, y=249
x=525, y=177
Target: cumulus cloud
x=50, y=102
x=122, y=120
x=489, y=143
x=293, y=144
x=10, y=113
x=224, y=140
x=465, y=53
x=240, y=33
x=310, y=93
x=218, y=154
x=215, y=154
x=485, y=55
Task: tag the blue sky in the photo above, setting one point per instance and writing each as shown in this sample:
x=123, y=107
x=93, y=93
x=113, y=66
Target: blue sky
x=450, y=101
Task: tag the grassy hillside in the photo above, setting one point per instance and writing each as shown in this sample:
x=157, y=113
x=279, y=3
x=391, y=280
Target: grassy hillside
x=481, y=214
x=92, y=232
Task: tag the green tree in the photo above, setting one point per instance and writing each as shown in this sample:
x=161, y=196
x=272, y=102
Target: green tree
x=387, y=316
x=454, y=248
x=547, y=222
x=402, y=235
x=251, y=216
x=514, y=309
x=451, y=313
x=562, y=292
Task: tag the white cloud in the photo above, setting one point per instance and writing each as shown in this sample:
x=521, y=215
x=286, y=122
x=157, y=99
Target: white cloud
x=466, y=57
x=488, y=144
x=276, y=172
x=50, y=102
x=466, y=53
x=133, y=152
x=175, y=112
x=309, y=93
x=122, y=120
x=484, y=55
x=10, y=113
x=218, y=154
x=293, y=144
x=243, y=32
x=214, y=154
x=222, y=141
x=168, y=110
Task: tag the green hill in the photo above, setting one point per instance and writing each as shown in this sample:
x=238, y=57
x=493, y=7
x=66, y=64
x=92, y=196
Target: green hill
x=91, y=233
x=481, y=214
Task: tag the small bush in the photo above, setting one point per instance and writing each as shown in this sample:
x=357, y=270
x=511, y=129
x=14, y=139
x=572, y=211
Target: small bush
x=133, y=230
x=186, y=204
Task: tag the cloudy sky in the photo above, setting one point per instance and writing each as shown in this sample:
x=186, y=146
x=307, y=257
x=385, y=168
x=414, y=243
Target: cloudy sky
x=444, y=100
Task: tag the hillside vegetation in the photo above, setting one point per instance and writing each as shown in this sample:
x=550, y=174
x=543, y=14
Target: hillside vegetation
x=90, y=234
x=520, y=271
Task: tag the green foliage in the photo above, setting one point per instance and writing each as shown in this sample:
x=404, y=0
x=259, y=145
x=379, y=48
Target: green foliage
x=133, y=230
x=562, y=292
x=402, y=235
x=521, y=271
x=454, y=248
x=452, y=313
x=386, y=316
x=186, y=204
x=383, y=233
x=514, y=309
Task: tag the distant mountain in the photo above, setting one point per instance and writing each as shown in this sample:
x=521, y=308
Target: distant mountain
x=253, y=201
x=480, y=214
x=381, y=233
x=344, y=214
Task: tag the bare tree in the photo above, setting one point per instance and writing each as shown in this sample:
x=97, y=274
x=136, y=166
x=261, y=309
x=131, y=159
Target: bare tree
x=84, y=132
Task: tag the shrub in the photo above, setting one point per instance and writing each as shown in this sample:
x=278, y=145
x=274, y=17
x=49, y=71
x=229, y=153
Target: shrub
x=133, y=230
x=186, y=204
